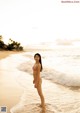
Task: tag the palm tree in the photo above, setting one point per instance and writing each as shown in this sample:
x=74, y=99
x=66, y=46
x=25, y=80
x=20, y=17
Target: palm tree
x=13, y=45
x=1, y=43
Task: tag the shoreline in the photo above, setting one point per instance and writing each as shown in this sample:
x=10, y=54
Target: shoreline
x=4, y=54
x=10, y=91
x=20, y=96
x=58, y=98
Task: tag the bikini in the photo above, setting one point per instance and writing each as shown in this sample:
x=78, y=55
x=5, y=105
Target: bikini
x=34, y=68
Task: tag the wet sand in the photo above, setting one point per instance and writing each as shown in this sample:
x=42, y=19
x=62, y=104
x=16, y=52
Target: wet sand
x=58, y=98
x=10, y=91
x=20, y=96
x=4, y=54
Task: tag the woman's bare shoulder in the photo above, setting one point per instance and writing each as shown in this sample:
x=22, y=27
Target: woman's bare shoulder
x=38, y=65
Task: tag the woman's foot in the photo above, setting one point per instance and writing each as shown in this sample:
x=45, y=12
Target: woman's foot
x=40, y=105
x=43, y=107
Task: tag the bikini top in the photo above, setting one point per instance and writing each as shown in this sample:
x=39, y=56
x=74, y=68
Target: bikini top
x=34, y=68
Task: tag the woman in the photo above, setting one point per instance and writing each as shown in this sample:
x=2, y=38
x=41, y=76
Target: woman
x=37, y=68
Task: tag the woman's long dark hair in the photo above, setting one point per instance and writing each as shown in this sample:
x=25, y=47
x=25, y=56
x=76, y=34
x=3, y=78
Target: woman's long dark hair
x=40, y=61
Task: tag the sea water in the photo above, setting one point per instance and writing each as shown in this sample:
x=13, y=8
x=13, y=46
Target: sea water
x=61, y=64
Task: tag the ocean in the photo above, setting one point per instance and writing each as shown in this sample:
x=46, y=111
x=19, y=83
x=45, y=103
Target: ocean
x=60, y=78
x=61, y=64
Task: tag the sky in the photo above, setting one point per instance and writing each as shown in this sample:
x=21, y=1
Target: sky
x=34, y=21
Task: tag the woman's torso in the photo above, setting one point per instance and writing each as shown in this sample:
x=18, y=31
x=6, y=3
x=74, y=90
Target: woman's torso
x=35, y=69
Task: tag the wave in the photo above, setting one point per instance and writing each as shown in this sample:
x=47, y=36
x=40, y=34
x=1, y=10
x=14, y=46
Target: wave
x=59, y=99
x=52, y=75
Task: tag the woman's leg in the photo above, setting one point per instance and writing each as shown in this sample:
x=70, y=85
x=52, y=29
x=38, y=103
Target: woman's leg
x=39, y=89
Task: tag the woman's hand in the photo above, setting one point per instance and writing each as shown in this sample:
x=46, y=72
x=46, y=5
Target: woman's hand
x=36, y=85
x=33, y=81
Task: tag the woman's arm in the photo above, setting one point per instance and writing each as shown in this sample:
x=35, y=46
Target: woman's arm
x=33, y=79
x=37, y=75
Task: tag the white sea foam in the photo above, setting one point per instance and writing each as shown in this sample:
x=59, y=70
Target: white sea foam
x=59, y=99
x=61, y=65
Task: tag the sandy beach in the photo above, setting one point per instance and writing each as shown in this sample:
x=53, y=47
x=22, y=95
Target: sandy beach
x=4, y=54
x=10, y=91
x=20, y=96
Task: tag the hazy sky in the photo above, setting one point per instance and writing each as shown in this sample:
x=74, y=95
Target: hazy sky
x=30, y=21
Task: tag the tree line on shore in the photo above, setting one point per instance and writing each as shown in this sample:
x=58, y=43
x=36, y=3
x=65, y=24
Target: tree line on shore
x=12, y=45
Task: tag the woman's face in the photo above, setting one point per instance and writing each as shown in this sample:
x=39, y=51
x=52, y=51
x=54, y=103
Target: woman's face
x=36, y=58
